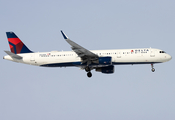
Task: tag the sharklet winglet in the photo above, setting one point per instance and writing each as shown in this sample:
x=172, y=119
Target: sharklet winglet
x=64, y=35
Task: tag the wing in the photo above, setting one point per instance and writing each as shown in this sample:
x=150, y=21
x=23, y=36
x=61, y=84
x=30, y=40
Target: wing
x=86, y=55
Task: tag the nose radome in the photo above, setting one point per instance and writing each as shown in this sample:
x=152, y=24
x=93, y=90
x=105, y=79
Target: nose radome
x=169, y=57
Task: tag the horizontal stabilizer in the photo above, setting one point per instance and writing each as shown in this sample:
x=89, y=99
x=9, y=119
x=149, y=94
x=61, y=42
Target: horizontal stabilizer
x=13, y=55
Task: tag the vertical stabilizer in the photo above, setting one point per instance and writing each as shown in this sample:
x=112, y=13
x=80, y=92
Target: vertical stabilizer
x=16, y=45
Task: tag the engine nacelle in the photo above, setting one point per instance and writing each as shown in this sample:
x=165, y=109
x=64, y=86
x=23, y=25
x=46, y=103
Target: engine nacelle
x=105, y=60
x=107, y=70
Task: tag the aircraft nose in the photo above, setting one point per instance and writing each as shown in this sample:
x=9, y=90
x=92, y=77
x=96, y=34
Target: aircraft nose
x=169, y=57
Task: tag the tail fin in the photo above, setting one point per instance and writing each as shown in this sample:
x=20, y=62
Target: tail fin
x=16, y=45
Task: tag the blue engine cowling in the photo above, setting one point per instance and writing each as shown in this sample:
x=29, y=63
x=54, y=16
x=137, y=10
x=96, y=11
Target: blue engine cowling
x=105, y=60
x=107, y=70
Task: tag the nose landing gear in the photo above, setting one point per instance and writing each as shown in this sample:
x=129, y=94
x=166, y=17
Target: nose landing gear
x=153, y=70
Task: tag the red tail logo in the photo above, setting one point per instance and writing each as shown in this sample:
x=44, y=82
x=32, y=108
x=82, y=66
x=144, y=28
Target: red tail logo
x=16, y=45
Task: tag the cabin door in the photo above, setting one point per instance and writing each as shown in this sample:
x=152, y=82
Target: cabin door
x=32, y=58
x=118, y=54
x=152, y=53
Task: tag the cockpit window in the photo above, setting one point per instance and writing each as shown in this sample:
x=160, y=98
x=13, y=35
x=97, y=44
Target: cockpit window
x=162, y=52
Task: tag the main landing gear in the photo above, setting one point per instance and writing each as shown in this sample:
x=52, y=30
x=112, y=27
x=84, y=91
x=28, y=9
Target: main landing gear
x=153, y=70
x=88, y=70
x=89, y=74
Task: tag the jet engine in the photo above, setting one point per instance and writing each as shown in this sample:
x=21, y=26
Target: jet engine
x=105, y=60
x=106, y=70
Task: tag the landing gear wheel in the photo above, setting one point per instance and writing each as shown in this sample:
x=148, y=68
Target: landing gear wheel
x=89, y=74
x=153, y=70
x=87, y=69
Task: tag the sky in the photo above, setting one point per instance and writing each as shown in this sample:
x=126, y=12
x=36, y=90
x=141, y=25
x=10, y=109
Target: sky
x=133, y=92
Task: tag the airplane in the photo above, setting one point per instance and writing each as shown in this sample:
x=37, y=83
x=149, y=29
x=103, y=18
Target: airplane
x=101, y=60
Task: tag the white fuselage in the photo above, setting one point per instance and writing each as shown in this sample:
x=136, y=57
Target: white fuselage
x=70, y=58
